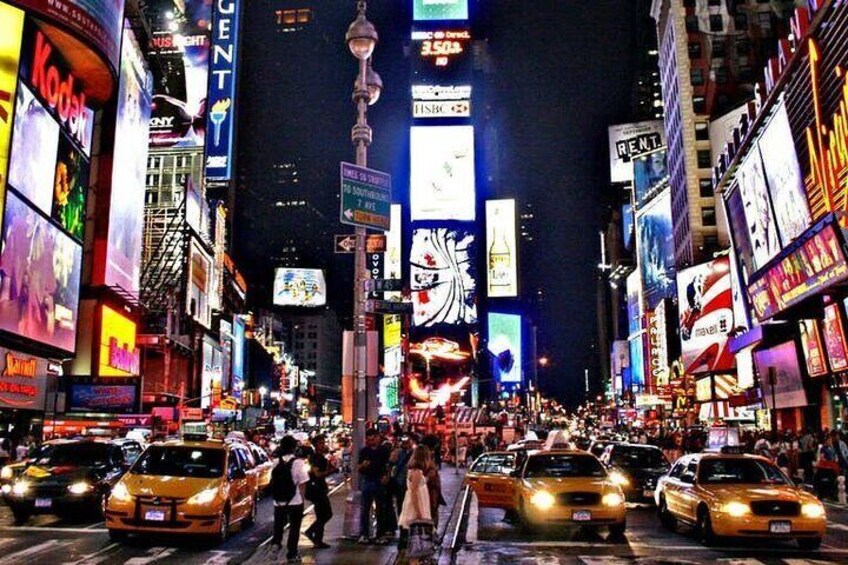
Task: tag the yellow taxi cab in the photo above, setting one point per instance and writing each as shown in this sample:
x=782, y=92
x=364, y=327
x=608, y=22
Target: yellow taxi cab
x=724, y=495
x=568, y=487
x=186, y=487
x=264, y=466
x=491, y=479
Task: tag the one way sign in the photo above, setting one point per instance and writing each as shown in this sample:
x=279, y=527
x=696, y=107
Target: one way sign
x=374, y=243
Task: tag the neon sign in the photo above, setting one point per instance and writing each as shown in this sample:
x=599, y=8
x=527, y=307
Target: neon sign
x=17, y=367
x=441, y=46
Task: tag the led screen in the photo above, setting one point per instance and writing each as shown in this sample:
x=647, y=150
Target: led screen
x=441, y=56
x=834, y=338
x=649, y=170
x=180, y=80
x=443, y=277
x=237, y=358
x=706, y=316
x=300, y=287
x=811, y=345
x=440, y=10
x=627, y=141
x=785, y=181
x=39, y=294
x=788, y=390
x=637, y=365
x=656, y=250
x=634, y=303
x=12, y=24
x=114, y=399
x=35, y=145
x=501, y=249
x=442, y=173
x=119, y=356
x=505, y=347
x=126, y=213
x=761, y=225
x=70, y=188
x=627, y=227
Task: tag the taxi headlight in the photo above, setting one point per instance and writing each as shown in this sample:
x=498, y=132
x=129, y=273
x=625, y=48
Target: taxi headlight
x=542, y=500
x=20, y=488
x=121, y=493
x=612, y=499
x=812, y=510
x=7, y=488
x=6, y=473
x=204, y=497
x=735, y=509
x=80, y=487
x=619, y=479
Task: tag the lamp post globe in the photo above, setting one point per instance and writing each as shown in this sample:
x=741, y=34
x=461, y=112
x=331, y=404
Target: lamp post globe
x=375, y=85
x=361, y=36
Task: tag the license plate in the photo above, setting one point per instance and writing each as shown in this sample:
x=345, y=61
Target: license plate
x=780, y=527
x=43, y=502
x=648, y=493
x=155, y=515
x=581, y=516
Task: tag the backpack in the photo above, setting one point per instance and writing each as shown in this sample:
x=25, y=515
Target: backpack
x=282, y=482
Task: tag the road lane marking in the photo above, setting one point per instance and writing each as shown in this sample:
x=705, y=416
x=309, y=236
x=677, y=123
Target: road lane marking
x=471, y=531
x=34, y=550
x=97, y=556
x=840, y=527
x=603, y=560
x=153, y=554
x=806, y=562
x=218, y=557
x=309, y=509
x=643, y=546
x=95, y=525
x=53, y=529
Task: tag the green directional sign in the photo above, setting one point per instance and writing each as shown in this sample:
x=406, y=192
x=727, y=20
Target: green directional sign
x=366, y=197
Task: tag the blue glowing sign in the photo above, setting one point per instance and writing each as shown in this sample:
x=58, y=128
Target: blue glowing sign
x=505, y=346
x=222, y=91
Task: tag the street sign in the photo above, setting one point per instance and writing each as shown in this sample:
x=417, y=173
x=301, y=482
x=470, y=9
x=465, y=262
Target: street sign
x=383, y=285
x=192, y=414
x=387, y=307
x=366, y=197
x=374, y=243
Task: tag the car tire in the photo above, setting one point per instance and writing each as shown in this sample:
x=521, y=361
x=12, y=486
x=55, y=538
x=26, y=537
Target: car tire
x=250, y=519
x=118, y=536
x=667, y=519
x=20, y=516
x=704, y=528
x=223, y=528
x=809, y=544
x=617, y=530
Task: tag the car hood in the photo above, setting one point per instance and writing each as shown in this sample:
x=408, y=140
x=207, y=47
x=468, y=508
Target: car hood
x=58, y=474
x=749, y=493
x=568, y=484
x=172, y=487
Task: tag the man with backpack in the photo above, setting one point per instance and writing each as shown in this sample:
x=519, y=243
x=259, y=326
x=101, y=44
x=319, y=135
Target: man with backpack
x=288, y=485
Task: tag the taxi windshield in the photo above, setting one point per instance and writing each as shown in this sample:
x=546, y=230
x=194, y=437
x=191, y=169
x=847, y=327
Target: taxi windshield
x=81, y=454
x=739, y=471
x=564, y=465
x=180, y=461
x=637, y=457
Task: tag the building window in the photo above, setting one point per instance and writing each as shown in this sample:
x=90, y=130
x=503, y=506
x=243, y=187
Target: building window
x=699, y=104
x=722, y=75
x=710, y=244
x=689, y=3
x=304, y=16
x=740, y=21
x=714, y=3
x=705, y=159
x=716, y=23
x=696, y=76
x=719, y=50
x=765, y=21
x=694, y=49
x=743, y=47
x=692, y=24
x=708, y=216
x=702, y=131
x=706, y=188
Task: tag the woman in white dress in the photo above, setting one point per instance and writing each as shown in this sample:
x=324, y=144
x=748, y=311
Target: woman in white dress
x=416, y=503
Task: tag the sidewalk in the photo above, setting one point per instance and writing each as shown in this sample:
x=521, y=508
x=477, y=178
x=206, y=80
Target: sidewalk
x=344, y=552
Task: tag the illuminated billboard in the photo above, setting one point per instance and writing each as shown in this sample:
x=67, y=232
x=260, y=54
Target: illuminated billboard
x=181, y=80
x=442, y=173
x=738, y=227
x=12, y=24
x=811, y=345
x=627, y=141
x=222, y=90
x=706, y=316
x=113, y=399
x=762, y=226
x=505, y=347
x=636, y=382
x=237, y=381
x=649, y=171
x=834, y=338
x=443, y=277
x=425, y=10
x=299, y=287
x=41, y=283
x=789, y=387
x=200, y=285
x=119, y=356
x=392, y=257
x=634, y=303
x=441, y=56
x=656, y=249
x=129, y=164
x=501, y=249
x=23, y=380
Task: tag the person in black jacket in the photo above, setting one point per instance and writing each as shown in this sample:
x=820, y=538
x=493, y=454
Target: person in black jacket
x=319, y=493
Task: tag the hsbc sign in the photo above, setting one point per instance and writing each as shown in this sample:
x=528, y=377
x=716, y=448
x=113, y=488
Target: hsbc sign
x=441, y=109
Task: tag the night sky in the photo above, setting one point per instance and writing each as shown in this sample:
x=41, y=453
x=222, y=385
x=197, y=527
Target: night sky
x=563, y=73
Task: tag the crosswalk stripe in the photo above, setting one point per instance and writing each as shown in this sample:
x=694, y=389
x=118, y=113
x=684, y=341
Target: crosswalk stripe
x=735, y=561
x=805, y=562
x=153, y=554
x=18, y=556
x=603, y=560
x=97, y=557
x=835, y=526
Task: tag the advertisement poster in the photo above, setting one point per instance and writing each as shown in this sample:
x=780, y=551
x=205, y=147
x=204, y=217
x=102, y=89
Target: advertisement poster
x=501, y=256
x=739, y=233
x=834, y=338
x=706, y=316
x=126, y=214
x=439, y=10
x=649, y=171
x=505, y=347
x=12, y=24
x=237, y=382
x=656, y=250
x=442, y=173
x=119, y=356
x=634, y=303
x=392, y=263
x=785, y=180
x=762, y=227
x=300, y=287
x=199, y=284
x=114, y=399
x=788, y=389
x=181, y=82
x=39, y=294
x=627, y=141
x=35, y=145
x=443, y=277
x=70, y=188
x=811, y=345
x=637, y=365
x=23, y=381
x=222, y=90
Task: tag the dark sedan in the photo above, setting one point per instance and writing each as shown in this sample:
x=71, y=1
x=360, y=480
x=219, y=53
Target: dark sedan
x=635, y=468
x=70, y=478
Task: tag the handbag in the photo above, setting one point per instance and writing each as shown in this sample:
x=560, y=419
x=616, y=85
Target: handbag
x=420, y=542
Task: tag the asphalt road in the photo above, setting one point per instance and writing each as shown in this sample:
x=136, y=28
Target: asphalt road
x=494, y=541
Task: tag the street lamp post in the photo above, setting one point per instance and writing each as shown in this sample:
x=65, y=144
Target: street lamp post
x=361, y=39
